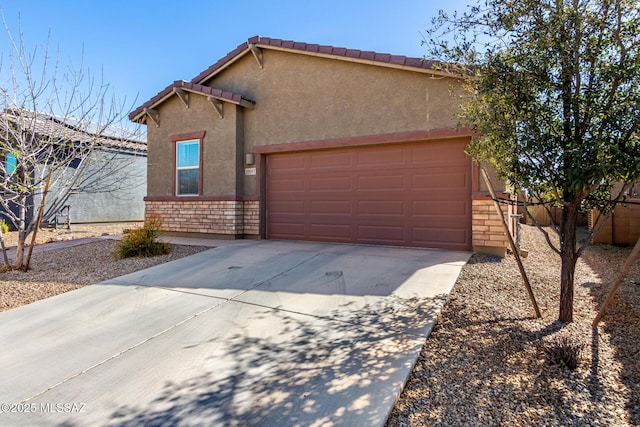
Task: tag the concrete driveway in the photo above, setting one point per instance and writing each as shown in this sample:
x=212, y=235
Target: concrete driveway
x=250, y=333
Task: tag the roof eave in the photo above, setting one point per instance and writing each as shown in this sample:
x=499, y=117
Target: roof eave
x=317, y=51
x=138, y=115
x=398, y=62
x=221, y=65
x=425, y=70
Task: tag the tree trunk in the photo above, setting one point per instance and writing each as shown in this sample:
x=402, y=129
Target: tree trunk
x=22, y=231
x=19, y=259
x=569, y=258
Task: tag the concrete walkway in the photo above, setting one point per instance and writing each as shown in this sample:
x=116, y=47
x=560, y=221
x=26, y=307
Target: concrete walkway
x=250, y=333
x=43, y=247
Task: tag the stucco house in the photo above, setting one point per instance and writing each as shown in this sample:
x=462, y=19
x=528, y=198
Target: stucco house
x=289, y=140
x=108, y=187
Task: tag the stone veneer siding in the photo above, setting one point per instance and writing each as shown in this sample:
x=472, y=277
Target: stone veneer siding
x=487, y=229
x=230, y=217
x=237, y=218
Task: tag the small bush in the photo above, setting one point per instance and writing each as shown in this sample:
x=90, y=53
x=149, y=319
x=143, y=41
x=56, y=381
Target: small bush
x=564, y=351
x=4, y=225
x=142, y=241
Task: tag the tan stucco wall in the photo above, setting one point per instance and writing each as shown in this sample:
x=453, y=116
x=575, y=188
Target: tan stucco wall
x=220, y=156
x=306, y=98
x=298, y=95
x=496, y=182
x=298, y=98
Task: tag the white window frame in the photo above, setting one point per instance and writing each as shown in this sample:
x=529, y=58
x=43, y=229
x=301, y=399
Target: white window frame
x=190, y=167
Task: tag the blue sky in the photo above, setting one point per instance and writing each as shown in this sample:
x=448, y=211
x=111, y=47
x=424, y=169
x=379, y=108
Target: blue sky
x=142, y=46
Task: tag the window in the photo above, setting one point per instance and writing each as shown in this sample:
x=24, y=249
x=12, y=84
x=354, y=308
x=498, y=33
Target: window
x=187, y=178
x=11, y=163
x=187, y=167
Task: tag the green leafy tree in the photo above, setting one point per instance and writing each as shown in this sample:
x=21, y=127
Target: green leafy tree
x=554, y=93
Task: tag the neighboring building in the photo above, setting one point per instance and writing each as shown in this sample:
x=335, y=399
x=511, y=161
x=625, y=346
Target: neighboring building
x=288, y=140
x=112, y=186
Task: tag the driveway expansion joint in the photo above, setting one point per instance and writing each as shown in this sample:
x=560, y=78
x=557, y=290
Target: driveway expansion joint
x=122, y=352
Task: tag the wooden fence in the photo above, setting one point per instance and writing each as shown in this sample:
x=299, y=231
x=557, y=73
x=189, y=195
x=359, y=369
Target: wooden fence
x=623, y=228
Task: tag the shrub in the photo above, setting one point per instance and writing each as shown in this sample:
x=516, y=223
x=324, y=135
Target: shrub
x=4, y=225
x=564, y=351
x=143, y=241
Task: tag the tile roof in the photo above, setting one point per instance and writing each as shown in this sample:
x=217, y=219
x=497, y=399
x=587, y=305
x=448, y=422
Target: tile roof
x=338, y=52
x=232, y=97
x=383, y=59
x=50, y=126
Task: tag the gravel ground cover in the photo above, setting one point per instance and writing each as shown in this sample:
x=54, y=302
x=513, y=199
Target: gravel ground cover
x=57, y=271
x=485, y=363
x=77, y=231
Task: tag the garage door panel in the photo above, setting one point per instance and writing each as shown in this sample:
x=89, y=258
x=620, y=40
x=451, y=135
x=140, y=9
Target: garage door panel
x=329, y=197
x=387, y=234
x=330, y=232
x=287, y=230
x=438, y=194
x=394, y=182
x=437, y=161
x=442, y=152
x=288, y=206
x=290, y=184
x=414, y=194
x=447, y=208
x=382, y=207
x=379, y=194
x=385, y=157
x=330, y=160
x=331, y=206
x=290, y=163
x=331, y=183
x=439, y=179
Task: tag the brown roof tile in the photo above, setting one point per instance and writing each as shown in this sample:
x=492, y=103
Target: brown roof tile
x=339, y=51
x=414, y=62
x=235, y=98
x=367, y=54
x=382, y=58
x=396, y=59
x=228, y=57
x=353, y=53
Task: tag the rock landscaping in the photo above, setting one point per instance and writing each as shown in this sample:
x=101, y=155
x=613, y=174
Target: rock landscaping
x=490, y=362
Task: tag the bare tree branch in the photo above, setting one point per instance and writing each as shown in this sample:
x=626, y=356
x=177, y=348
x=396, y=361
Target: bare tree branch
x=60, y=123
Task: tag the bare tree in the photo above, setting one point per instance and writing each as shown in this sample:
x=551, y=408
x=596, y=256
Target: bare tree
x=56, y=136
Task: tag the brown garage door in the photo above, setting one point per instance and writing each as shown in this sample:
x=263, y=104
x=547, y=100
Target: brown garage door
x=413, y=194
